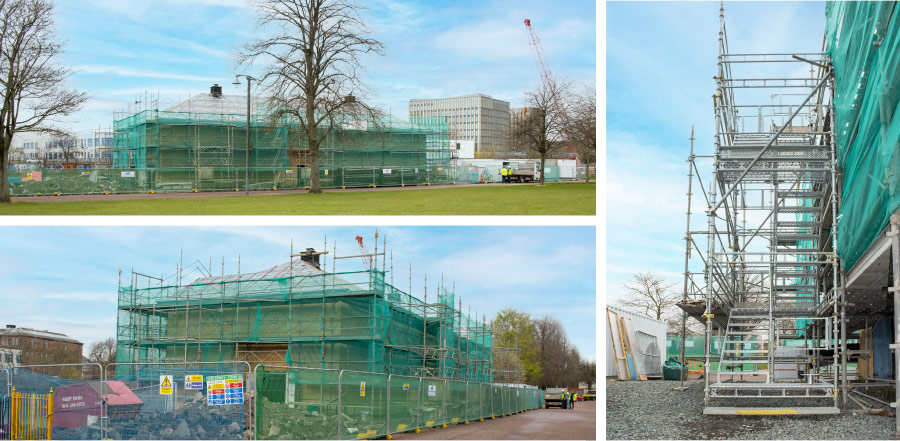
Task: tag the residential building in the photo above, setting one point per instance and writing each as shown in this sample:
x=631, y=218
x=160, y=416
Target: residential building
x=477, y=117
x=40, y=347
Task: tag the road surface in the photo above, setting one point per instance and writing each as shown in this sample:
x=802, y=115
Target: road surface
x=578, y=423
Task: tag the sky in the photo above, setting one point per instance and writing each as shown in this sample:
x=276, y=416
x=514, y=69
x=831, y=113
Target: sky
x=124, y=49
x=660, y=63
x=64, y=279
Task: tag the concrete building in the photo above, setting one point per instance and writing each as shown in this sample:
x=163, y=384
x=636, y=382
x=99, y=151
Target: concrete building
x=477, y=118
x=40, y=347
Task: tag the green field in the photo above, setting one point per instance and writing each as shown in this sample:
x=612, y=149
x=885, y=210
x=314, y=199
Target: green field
x=552, y=199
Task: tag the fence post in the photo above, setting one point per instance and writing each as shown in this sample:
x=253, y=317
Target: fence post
x=466, y=411
x=444, y=402
x=419, y=404
x=254, y=402
x=50, y=414
x=340, y=375
x=389, y=403
x=13, y=415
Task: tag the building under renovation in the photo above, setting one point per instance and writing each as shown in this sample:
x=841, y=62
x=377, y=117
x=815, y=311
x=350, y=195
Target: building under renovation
x=796, y=265
x=201, y=143
x=301, y=314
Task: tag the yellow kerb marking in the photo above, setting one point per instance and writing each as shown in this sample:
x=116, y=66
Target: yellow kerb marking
x=767, y=412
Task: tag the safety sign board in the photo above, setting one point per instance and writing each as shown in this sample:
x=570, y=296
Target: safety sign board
x=405, y=386
x=224, y=389
x=165, y=385
x=362, y=388
x=432, y=390
x=193, y=382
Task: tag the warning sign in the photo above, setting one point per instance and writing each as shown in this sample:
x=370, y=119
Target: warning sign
x=225, y=389
x=193, y=382
x=362, y=388
x=432, y=390
x=405, y=386
x=165, y=385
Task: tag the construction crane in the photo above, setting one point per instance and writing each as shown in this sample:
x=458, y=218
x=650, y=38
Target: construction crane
x=546, y=75
x=365, y=254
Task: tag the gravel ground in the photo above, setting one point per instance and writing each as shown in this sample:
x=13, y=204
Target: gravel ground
x=652, y=410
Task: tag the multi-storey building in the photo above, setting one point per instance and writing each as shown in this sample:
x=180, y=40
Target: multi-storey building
x=39, y=347
x=477, y=117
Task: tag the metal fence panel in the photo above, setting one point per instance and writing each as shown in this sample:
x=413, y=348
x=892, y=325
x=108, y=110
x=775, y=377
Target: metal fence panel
x=473, y=401
x=77, y=389
x=296, y=403
x=177, y=401
x=456, y=402
x=403, y=403
x=484, y=390
x=431, y=411
x=5, y=402
x=363, y=405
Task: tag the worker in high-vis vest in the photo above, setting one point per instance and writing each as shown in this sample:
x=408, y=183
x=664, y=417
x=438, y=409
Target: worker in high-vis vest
x=564, y=397
x=504, y=174
x=573, y=398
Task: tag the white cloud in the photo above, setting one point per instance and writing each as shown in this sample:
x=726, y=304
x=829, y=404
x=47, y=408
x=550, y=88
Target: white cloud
x=127, y=72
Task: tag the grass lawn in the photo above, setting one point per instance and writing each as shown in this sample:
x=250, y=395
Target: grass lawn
x=552, y=199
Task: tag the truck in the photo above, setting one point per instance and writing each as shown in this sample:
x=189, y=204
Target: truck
x=553, y=397
x=524, y=171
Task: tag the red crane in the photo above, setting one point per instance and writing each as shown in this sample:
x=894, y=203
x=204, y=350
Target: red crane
x=365, y=254
x=546, y=75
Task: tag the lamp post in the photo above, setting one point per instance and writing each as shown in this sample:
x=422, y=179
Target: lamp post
x=237, y=82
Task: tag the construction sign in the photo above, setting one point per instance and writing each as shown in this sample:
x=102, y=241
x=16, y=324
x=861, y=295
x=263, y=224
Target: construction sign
x=432, y=390
x=405, y=386
x=362, y=388
x=193, y=382
x=165, y=385
x=225, y=389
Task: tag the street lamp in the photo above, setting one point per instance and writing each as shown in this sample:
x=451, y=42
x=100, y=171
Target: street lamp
x=237, y=82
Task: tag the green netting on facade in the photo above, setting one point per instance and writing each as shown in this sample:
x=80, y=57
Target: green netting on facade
x=174, y=151
x=863, y=39
x=346, y=321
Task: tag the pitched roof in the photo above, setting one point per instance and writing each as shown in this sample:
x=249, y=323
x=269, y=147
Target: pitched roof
x=34, y=333
x=226, y=104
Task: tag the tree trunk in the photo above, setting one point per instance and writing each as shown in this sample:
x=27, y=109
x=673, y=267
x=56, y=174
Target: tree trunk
x=587, y=171
x=543, y=160
x=4, y=170
x=315, y=186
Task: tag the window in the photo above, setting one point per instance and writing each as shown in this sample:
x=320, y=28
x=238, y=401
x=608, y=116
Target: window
x=9, y=358
x=3, y=341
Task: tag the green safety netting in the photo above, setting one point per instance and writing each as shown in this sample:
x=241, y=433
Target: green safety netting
x=863, y=39
x=353, y=321
x=303, y=403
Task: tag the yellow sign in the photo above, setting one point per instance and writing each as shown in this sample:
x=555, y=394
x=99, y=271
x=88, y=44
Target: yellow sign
x=362, y=388
x=165, y=385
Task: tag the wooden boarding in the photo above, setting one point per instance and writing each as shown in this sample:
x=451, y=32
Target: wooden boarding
x=621, y=362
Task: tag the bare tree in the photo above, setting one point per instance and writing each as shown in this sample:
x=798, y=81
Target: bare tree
x=30, y=84
x=66, y=143
x=541, y=132
x=581, y=127
x=102, y=352
x=312, y=67
x=650, y=295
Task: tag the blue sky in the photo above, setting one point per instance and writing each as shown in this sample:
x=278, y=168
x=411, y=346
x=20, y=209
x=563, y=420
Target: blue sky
x=661, y=59
x=124, y=48
x=64, y=278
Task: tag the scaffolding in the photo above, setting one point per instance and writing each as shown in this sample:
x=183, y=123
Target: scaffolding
x=300, y=314
x=769, y=282
x=201, y=143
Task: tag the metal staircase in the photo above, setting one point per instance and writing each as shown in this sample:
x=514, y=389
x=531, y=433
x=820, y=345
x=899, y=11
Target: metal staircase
x=770, y=273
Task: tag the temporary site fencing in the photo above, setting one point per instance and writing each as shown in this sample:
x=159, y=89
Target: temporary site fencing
x=228, y=400
x=309, y=403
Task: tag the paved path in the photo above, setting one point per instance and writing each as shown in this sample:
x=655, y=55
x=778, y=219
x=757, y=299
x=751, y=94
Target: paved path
x=554, y=423
x=221, y=194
